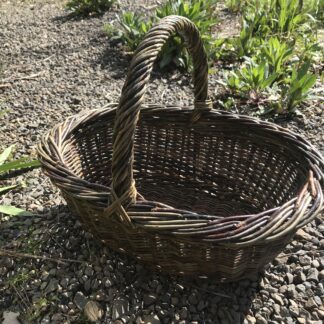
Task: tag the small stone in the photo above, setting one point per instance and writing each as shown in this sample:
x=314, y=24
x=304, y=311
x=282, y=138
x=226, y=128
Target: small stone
x=283, y=289
x=300, y=278
x=284, y=312
x=260, y=319
x=307, y=285
x=154, y=284
x=93, y=311
x=290, y=278
x=101, y=296
x=95, y=284
x=125, y=319
x=250, y=319
x=45, y=320
x=52, y=286
x=10, y=317
x=312, y=275
x=291, y=291
x=302, y=235
x=64, y=282
x=119, y=308
x=87, y=285
x=293, y=308
x=174, y=300
x=151, y=319
x=88, y=271
x=315, y=263
x=80, y=300
x=44, y=275
x=319, y=290
x=193, y=300
x=257, y=304
x=321, y=275
x=310, y=304
x=52, y=272
x=305, y=260
x=59, y=318
x=149, y=299
x=318, y=300
x=201, y=306
x=183, y=313
x=276, y=308
x=301, y=320
x=277, y=299
x=320, y=313
x=107, y=282
x=301, y=288
x=63, y=308
x=304, y=313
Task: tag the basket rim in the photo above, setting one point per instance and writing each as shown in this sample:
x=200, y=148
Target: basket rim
x=298, y=211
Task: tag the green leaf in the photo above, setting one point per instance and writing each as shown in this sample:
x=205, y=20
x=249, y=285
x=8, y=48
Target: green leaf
x=5, y=154
x=303, y=70
x=267, y=82
x=14, y=211
x=22, y=163
x=309, y=83
x=4, y=189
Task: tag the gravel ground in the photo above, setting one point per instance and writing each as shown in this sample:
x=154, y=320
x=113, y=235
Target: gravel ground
x=56, y=67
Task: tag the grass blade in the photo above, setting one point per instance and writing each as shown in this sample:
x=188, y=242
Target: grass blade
x=14, y=211
x=3, y=189
x=22, y=163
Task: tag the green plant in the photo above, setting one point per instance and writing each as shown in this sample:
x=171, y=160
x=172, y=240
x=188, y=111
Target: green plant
x=283, y=19
x=8, y=165
x=135, y=26
x=235, y=5
x=200, y=12
x=88, y=7
x=246, y=43
x=37, y=308
x=276, y=37
x=253, y=78
x=298, y=87
x=276, y=54
x=134, y=29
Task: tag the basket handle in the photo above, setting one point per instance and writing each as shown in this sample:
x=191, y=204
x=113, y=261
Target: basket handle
x=123, y=185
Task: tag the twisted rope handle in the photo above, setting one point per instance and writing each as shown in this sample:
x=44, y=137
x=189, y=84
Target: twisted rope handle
x=133, y=92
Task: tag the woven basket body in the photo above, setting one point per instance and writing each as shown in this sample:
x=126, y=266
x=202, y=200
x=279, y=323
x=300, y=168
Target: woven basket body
x=189, y=190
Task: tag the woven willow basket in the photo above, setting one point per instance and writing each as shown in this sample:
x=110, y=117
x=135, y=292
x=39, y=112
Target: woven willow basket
x=192, y=191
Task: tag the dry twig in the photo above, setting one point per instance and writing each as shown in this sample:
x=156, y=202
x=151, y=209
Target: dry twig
x=41, y=257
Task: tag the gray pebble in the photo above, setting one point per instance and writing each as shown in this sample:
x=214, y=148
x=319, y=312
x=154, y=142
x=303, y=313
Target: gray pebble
x=311, y=304
x=52, y=286
x=260, y=319
x=299, y=278
x=312, y=275
x=80, y=300
x=193, y=299
x=290, y=278
x=315, y=263
x=93, y=311
x=149, y=299
x=277, y=298
x=120, y=307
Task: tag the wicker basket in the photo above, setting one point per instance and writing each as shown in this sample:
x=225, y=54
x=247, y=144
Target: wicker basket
x=216, y=194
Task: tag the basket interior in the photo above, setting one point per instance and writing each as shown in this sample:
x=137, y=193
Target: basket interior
x=216, y=169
